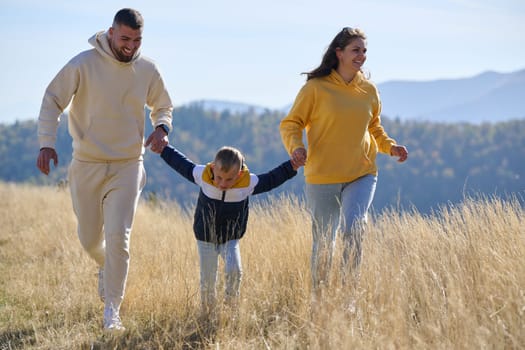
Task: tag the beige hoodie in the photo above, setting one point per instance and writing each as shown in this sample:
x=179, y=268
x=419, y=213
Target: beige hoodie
x=108, y=97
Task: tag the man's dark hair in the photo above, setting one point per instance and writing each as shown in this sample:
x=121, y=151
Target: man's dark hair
x=129, y=17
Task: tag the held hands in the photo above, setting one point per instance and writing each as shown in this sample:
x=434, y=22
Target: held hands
x=399, y=151
x=44, y=157
x=157, y=140
x=298, y=158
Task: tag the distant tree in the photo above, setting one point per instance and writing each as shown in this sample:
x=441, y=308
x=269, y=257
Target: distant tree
x=447, y=161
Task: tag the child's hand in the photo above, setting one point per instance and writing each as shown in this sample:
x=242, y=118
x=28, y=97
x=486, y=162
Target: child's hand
x=295, y=165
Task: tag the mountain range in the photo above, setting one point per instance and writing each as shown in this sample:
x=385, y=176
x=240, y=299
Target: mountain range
x=486, y=97
x=232, y=107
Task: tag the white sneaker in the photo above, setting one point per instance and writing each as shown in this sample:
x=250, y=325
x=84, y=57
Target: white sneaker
x=101, y=283
x=112, y=320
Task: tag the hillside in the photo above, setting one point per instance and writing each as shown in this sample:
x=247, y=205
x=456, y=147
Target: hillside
x=446, y=163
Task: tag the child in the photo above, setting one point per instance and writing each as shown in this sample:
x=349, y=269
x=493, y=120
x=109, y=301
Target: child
x=221, y=213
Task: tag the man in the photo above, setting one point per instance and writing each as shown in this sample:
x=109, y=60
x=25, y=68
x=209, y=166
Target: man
x=108, y=87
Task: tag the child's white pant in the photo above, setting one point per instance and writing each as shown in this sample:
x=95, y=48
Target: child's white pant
x=209, y=259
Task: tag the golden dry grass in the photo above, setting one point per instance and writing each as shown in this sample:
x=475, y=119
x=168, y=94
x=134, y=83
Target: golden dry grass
x=451, y=280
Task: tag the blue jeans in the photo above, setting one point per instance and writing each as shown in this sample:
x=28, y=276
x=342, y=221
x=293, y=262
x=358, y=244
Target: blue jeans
x=209, y=259
x=343, y=208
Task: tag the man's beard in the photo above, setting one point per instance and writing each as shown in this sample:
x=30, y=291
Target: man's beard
x=122, y=57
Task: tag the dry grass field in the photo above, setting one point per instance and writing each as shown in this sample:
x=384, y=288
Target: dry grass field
x=451, y=280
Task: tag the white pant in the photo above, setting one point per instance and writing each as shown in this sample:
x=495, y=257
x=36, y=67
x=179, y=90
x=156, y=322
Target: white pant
x=209, y=259
x=105, y=198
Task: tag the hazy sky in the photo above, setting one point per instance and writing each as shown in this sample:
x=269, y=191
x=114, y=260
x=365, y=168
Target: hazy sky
x=254, y=51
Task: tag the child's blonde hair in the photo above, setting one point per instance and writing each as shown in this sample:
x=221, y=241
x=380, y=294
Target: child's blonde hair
x=228, y=157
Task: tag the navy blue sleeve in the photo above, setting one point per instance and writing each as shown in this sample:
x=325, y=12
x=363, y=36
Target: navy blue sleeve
x=274, y=178
x=179, y=162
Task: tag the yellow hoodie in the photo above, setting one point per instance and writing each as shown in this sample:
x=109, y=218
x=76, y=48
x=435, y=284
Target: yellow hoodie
x=343, y=128
x=106, y=115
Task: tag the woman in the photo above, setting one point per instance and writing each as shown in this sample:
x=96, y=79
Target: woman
x=340, y=110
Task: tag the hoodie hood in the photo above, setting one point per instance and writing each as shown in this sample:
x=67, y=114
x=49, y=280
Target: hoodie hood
x=242, y=181
x=356, y=83
x=100, y=41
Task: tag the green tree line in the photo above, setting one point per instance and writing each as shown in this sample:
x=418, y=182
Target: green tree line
x=447, y=161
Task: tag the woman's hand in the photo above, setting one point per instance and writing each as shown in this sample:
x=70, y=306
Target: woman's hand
x=399, y=151
x=299, y=156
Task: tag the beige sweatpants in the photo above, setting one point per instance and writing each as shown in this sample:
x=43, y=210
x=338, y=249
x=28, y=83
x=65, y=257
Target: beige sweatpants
x=105, y=197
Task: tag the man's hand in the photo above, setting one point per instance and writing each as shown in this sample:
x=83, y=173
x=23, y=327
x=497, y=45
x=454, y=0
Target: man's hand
x=44, y=157
x=157, y=140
